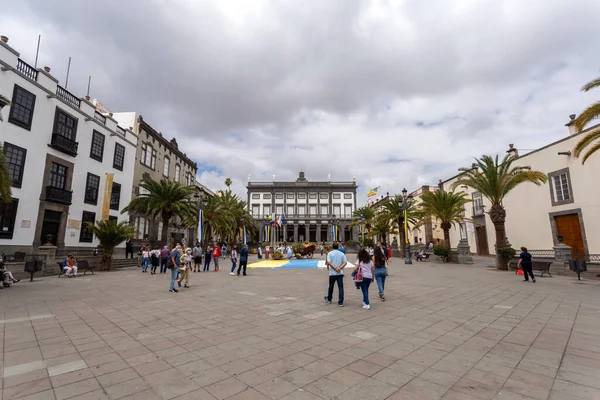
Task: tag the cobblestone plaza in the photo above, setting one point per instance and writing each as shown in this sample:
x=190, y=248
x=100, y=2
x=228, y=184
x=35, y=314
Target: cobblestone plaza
x=445, y=332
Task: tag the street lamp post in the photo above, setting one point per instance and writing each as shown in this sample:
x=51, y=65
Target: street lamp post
x=244, y=228
x=362, y=230
x=405, y=204
x=202, y=200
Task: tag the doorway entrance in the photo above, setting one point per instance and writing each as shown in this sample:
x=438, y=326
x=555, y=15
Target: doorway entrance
x=482, y=243
x=568, y=226
x=301, y=233
x=50, y=226
x=312, y=233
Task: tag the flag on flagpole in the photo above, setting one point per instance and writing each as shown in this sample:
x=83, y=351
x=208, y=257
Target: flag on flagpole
x=283, y=221
x=372, y=192
x=200, y=227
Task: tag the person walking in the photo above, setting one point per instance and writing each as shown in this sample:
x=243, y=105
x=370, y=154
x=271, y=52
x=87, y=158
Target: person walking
x=267, y=251
x=215, y=256
x=154, y=260
x=525, y=263
x=233, y=260
x=128, y=248
x=165, y=254
x=259, y=252
x=145, y=259
x=380, y=270
x=184, y=271
x=175, y=265
x=243, y=259
x=336, y=261
x=197, y=253
x=224, y=250
x=364, y=264
x=207, y=257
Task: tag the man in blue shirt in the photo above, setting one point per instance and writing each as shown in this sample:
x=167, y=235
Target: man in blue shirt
x=336, y=261
x=176, y=260
x=243, y=259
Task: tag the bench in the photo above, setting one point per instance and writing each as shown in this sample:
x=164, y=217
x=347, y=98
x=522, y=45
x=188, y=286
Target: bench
x=536, y=265
x=82, y=265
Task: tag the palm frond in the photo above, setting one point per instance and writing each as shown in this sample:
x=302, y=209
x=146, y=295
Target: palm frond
x=594, y=83
x=590, y=113
x=591, y=151
x=587, y=140
x=110, y=234
x=5, y=178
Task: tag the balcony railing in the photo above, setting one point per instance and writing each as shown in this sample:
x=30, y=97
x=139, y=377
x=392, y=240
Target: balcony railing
x=67, y=96
x=477, y=211
x=100, y=118
x=121, y=131
x=58, y=195
x=27, y=70
x=262, y=217
x=64, y=144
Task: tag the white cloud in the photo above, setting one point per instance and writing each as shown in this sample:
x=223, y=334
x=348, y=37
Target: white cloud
x=398, y=93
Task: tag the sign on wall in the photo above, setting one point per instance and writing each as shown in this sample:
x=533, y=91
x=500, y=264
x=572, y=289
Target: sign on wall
x=25, y=223
x=73, y=224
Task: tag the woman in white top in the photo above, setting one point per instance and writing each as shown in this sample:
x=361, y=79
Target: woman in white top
x=233, y=260
x=365, y=265
x=145, y=260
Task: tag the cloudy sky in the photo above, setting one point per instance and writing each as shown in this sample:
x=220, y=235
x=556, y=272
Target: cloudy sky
x=397, y=93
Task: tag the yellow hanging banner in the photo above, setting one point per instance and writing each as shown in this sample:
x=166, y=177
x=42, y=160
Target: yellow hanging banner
x=107, y=195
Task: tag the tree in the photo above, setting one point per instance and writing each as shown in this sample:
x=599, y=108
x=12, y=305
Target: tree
x=446, y=207
x=5, y=179
x=367, y=214
x=394, y=211
x=228, y=183
x=164, y=199
x=382, y=226
x=494, y=181
x=110, y=234
x=591, y=138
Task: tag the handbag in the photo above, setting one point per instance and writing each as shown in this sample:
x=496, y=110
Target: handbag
x=358, y=277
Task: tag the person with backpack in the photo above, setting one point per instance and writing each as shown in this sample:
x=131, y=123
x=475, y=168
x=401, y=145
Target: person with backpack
x=207, y=257
x=216, y=253
x=154, y=260
x=243, y=259
x=174, y=266
x=197, y=253
x=363, y=276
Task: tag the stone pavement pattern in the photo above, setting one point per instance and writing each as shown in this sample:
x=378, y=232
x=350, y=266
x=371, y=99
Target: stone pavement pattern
x=446, y=332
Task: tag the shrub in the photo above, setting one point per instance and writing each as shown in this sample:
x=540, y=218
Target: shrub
x=298, y=255
x=506, y=253
x=277, y=255
x=297, y=247
x=442, y=252
x=367, y=242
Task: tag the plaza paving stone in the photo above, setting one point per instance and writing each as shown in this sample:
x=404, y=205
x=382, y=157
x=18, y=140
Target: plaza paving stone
x=445, y=332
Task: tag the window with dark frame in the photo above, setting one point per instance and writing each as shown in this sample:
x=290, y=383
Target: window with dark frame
x=301, y=196
x=97, y=150
x=115, y=196
x=347, y=195
x=92, y=185
x=21, y=108
x=312, y=196
x=15, y=158
x=119, y=157
x=113, y=218
x=560, y=187
x=255, y=195
x=58, y=176
x=8, y=217
x=85, y=234
x=324, y=196
x=337, y=196
x=166, y=164
x=177, y=172
x=267, y=196
x=279, y=196
x=65, y=125
x=290, y=196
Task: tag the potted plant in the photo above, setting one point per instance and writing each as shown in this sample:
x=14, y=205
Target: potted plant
x=442, y=252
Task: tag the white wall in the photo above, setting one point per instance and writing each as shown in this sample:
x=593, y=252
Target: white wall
x=36, y=142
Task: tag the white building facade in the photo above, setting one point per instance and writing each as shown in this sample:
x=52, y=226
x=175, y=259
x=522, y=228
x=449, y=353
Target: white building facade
x=568, y=205
x=314, y=211
x=63, y=155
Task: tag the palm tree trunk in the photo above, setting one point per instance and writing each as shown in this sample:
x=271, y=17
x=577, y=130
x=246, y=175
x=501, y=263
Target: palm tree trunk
x=106, y=262
x=498, y=217
x=447, y=238
x=165, y=230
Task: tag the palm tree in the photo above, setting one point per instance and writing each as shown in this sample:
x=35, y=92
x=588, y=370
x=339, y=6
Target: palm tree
x=5, y=179
x=214, y=217
x=164, y=199
x=110, y=234
x=228, y=183
x=494, y=182
x=394, y=212
x=447, y=207
x=364, y=216
x=592, y=138
x=383, y=226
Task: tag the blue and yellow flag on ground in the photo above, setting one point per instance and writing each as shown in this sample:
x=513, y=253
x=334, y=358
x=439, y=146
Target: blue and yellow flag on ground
x=372, y=192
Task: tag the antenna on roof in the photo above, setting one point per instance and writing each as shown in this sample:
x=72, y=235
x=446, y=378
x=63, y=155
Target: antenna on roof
x=37, y=52
x=68, y=70
x=88, y=91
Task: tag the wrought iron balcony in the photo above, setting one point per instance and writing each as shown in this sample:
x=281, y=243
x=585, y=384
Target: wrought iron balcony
x=58, y=195
x=67, y=96
x=27, y=70
x=64, y=144
x=100, y=118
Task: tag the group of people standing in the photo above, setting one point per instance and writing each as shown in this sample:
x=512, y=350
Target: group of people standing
x=366, y=268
